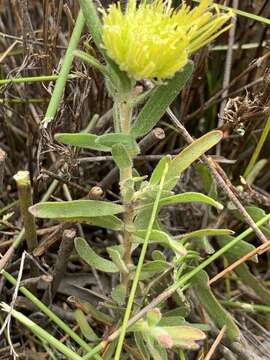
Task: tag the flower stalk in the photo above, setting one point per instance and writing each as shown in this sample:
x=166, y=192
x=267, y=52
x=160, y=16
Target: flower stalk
x=125, y=115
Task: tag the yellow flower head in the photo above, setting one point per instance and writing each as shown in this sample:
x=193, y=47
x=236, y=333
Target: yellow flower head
x=152, y=40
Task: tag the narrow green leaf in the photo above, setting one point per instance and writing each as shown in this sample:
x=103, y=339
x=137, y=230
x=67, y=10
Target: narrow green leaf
x=75, y=208
x=159, y=169
x=186, y=198
x=205, y=232
x=141, y=346
x=88, y=308
x=85, y=328
x=174, y=319
x=159, y=101
x=155, y=266
x=242, y=271
x=162, y=238
x=155, y=349
x=107, y=354
x=111, y=139
x=108, y=222
x=217, y=313
x=153, y=317
x=158, y=255
x=92, y=259
x=191, y=153
x=190, y=197
x=241, y=249
x=89, y=59
x=119, y=294
x=86, y=141
x=257, y=214
x=121, y=156
x=185, y=336
x=252, y=282
x=92, y=21
x=117, y=259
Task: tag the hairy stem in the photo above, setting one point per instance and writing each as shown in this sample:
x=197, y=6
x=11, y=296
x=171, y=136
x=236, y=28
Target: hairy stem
x=125, y=112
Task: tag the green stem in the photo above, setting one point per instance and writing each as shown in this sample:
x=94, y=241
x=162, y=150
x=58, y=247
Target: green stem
x=139, y=269
x=125, y=112
x=247, y=307
x=38, y=331
x=31, y=79
x=258, y=149
x=60, y=323
x=65, y=69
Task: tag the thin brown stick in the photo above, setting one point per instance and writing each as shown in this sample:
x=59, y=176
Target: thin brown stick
x=219, y=93
x=25, y=198
x=215, y=343
x=64, y=252
x=258, y=251
x=50, y=240
x=224, y=185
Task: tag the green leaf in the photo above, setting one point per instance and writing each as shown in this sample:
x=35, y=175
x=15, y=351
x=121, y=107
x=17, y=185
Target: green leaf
x=119, y=294
x=253, y=283
x=162, y=238
x=257, y=214
x=107, y=354
x=157, y=352
x=108, y=222
x=141, y=346
x=242, y=271
x=117, y=259
x=111, y=139
x=160, y=99
x=191, y=153
x=185, y=336
x=186, y=198
x=74, y=209
x=206, y=176
x=158, y=255
x=92, y=259
x=241, y=249
x=200, y=284
x=89, y=59
x=85, y=328
x=159, y=169
x=155, y=266
x=82, y=140
x=151, y=268
x=153, y=317
x=173, y=320
x=92, y=21
x=121, y=156
x=88, y=308
x=205, y=232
